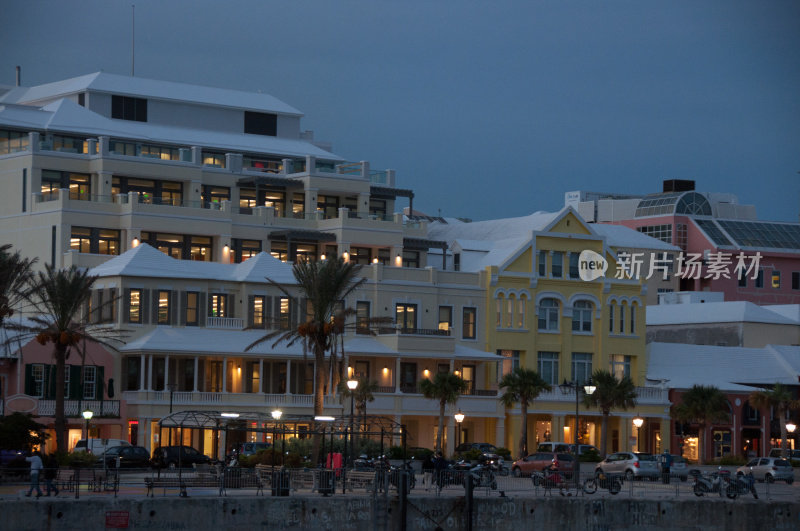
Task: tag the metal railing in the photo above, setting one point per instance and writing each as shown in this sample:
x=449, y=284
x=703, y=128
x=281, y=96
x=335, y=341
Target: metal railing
x=413, y=331
x=74, y=408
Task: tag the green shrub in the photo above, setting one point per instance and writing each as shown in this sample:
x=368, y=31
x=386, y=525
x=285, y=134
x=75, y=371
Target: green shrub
x=730, y=460
x=590, y=456
x=420, y=454
x=82, y=460
x=396, y=452
x=472, y=454
x=505, y=453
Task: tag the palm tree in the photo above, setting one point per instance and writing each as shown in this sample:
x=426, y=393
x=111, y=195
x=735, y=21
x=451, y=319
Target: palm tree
x=702, y=405
x=610, y=394
x=781, y=399
x=446, y=387
x=57, y=298
x=15, y=281
x=325, y=284
x=523, y=386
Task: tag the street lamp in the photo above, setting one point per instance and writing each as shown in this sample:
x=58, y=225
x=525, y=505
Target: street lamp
x=171, y=388
x=352, y=384
x=588, y=388
x=87, y=414
x=459, y=419
x=276, y=416
x=638, y=421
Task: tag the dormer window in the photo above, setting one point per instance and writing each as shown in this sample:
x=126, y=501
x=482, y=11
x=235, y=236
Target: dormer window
x=128, y=108
x=260, y=123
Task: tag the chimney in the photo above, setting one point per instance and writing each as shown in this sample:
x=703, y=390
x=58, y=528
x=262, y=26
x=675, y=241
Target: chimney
x=19, y=75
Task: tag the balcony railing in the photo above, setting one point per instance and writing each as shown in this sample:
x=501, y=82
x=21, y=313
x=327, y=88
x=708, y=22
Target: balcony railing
x=226, y=323
x=74, y=408
x=182, y=399
x=413, y=331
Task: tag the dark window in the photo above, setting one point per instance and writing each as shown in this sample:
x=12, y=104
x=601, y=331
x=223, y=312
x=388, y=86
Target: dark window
x=406, y=316
x=468, y=323
x=760, y=279
x=796, y=280
x=260, y=123
x=82, y=99
x=362, y=315
x=128, y=108
x=192, y=303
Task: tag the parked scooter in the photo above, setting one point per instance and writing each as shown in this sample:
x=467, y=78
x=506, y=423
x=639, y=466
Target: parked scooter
x=483, y=476
x=550, y=478
x=395, y=473
x=716, y=482
x=741, y=485
x=364, y=464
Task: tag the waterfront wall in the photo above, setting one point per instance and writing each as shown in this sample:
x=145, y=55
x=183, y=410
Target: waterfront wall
x=365, y=514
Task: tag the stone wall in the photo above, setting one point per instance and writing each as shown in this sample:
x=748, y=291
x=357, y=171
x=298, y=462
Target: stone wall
x=365, y=514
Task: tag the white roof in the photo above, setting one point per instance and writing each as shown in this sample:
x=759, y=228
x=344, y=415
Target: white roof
x=145, y=261
x=491, y=242
x=155, y=89
x=790, y=311
x=713, y=312
x=727, y=368
x=210, y=341
x=68, y=117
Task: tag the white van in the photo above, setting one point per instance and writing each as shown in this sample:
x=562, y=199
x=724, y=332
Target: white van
x=98, y=446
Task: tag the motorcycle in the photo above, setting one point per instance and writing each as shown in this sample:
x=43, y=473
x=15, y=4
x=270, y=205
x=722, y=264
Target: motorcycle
x=483, y=476
x=550, y=478
x=364, y=464
x=613, y=484
x=740, y=485
x=716, y=482
x=395, y=472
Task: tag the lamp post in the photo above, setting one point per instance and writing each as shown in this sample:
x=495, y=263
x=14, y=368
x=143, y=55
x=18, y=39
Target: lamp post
x=352, y=384
x=171, y=388
x=790, y=427
x=459, y=419
x=276, y=416
x=638, y=421
x=588, y=388
x=87, y=414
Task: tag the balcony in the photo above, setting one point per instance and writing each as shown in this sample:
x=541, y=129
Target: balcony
x=644, y=396
x=194, y=399
x=74, y=408
x=225, y=323
x=413, y=331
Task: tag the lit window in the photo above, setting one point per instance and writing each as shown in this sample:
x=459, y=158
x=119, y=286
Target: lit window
x=163, y=307
x=135, y=306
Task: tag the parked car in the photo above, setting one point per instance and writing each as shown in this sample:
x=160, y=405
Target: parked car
x=98, y=446
x=632, y=465
x=776, y=452
x=129, y=457
x=538, y=461
x=679, y=468
x=769, y=469
x=6, y=456
x=251, y=448
x=172, y=456
x=584, y=448
x=485, y=448
x=553, y=446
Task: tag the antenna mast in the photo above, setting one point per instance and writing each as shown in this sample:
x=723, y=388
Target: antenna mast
x=133, y=36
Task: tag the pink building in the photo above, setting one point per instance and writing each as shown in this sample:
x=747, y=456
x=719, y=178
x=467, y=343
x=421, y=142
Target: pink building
x=27, y=385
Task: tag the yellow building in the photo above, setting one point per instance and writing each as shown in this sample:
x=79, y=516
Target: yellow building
x=542, y=315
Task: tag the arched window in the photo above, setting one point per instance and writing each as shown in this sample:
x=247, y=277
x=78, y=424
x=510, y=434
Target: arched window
x=500, y=302
x=633, y=318
x=548, y=314
x=582, y=316
x=622, y=318
x=521, y=303
x=509, y=320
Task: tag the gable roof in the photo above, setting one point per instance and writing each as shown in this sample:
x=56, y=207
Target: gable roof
x=145, y=261
x=157, y=89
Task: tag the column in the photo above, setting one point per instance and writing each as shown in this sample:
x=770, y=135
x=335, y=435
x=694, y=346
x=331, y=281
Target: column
x=450, y=433
x=310, y=205
x=150, y=372
x=363, y=205
x=196, y=368
x=397, y=375
x=166, y=372
x=144, y=432
x=500, y=434
x=261, y=375
x=289, y=377
x=142, y=371
x=103, y=184
x=225, y=374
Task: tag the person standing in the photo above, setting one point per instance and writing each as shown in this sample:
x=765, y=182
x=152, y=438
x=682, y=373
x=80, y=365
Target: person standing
x=666, y=465
x=36, y=467
x=427, y=470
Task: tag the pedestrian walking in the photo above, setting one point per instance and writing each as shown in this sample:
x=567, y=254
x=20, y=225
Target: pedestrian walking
x=36, y=467
x=50, y=474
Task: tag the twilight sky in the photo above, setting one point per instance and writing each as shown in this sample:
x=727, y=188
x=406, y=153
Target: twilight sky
x=484, y=108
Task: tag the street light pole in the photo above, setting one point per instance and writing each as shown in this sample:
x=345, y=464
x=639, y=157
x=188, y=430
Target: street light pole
x=276, y=416
x=588, y=388
x=352, y=384
x=87, y=414
x=459, y=419
x=638, y=421
x=171, y=388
